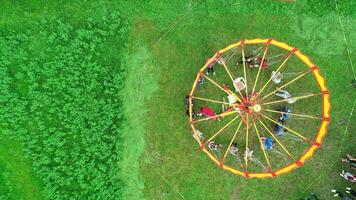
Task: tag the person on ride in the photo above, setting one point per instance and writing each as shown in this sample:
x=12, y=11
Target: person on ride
x=283, y=93
x=214, y=146
x=210, y=67
x=200, y=81
x=282, y=117
x=268, y=142
x=286, y=112
x=194, y=114
x=220, y=60
x=208, y=112
x=248, y=154
x=259, y=61
x=276, y=77
x=199, y=134
x=187, y=101
x=250, y=60
x=281, y=121
x=279, y=130
x=291, y=100
x=233, y=149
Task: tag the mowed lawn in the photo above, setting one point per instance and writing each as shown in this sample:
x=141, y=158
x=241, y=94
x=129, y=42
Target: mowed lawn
x=172, y=166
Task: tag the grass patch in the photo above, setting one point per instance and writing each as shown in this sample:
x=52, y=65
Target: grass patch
x=16, y=175
x=179, y=55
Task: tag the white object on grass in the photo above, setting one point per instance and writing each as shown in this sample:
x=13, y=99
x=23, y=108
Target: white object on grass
x=283, y=93
x=239, y=84
x=276, y=77
x=232, y=99
x=200, y=135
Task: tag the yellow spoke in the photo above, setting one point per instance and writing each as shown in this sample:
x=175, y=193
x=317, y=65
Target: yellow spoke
x=219, y=131
x=259, y=69
x=294, y=98
x=211, y=100
x=232, y=140
x=247, y=127
x=239, y=94
x=292, y=131
x=227, y=70
x=244, y=64
x=216, y=116
x=275, y=138
x=217, y=85
x=293, y=114
x=213, y=82
x=263, y=149
x=290, y=82
x=278, y=69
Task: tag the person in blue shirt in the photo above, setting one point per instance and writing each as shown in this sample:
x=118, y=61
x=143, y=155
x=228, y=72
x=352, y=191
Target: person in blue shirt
x=286, y=110
x=201, y=81
x=279, y=130
x=285, y=116
x=268, y=142
x=281, y=121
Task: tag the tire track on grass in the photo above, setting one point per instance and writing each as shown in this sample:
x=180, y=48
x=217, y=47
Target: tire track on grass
x=142, y=98
x=344, y=36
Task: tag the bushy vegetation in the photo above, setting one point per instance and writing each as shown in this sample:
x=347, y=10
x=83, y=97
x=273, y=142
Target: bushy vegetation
x=58, y=90
x=5, y=188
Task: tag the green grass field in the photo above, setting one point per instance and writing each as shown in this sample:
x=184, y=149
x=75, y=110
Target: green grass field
x=92, y=96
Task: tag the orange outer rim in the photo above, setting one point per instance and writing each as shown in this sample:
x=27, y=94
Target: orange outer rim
x=326, y=108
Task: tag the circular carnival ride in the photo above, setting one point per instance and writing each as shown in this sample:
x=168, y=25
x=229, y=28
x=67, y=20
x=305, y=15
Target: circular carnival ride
x=259, y=108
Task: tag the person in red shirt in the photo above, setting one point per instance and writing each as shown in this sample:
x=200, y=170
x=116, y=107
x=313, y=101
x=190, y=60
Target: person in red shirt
x=264, y=62
x=208, y=112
